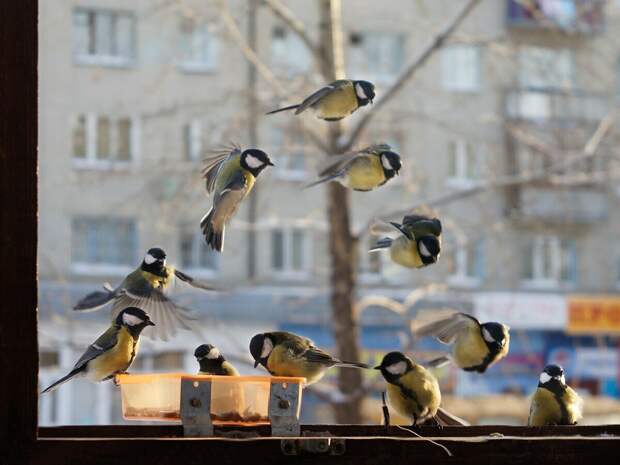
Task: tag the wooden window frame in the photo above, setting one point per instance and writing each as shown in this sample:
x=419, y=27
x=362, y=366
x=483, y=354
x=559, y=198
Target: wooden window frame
x=21, y=441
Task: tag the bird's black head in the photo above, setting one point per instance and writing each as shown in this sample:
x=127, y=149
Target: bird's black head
x=429, y=249
x=391, y=163
x=134, y=319
x=255, y=161
x=552, y=378
x=495, y=335
x=155, y=262
x=209, y=358
x=365, y=92
x=261, y=346
x=394, y=365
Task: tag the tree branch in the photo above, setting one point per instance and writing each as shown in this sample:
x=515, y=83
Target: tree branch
x=407, y=74
x=297, y=26
x=263, y=69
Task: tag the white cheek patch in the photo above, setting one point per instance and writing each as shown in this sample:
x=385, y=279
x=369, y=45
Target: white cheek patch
x=386, y=163
x=359, y=90
x=397, y=368
x=267, y=348
x=131, y=320
x=561, y=379
x=149, y=259
x=213, y=354
x=423, y=250
x=164, y=262
x=544, y=378
x=487, y=335
x=253, y=162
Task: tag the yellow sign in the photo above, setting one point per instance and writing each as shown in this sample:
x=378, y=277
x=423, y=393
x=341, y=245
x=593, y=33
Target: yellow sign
x=588, y=314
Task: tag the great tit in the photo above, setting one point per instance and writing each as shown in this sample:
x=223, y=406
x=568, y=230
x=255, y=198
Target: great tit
x=230, y=176
x=113, y=352
x=411, y=390
x=145, y=288
x=475, y=346
x=363, y=170
x=554, y=403
x=419, y=245
x=212, y=362
x=286, y=354
x=336, y=100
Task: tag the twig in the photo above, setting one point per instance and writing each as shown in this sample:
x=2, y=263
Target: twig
x=406, y=75
x=297, y=26
x=426, y=439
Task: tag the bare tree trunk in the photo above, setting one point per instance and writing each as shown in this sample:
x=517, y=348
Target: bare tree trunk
x=341, y=241
x=252, y=138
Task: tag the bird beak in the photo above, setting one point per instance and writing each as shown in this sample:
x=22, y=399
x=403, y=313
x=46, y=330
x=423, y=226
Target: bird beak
x=150, y=323
x=378, y=367
x=270, y=163
x=256, y=362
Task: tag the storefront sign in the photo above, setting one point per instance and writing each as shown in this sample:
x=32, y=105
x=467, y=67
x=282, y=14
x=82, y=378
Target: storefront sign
x=591, y=314
x=522, y=311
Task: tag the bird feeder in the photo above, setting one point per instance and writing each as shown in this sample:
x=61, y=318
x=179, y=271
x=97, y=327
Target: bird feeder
x=201, y=402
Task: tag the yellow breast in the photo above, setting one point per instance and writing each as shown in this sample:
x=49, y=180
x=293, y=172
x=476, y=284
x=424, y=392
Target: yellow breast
x=338, y=104
x=116, y=360
x=365, y=174
x=405, y=253
x=469, y=348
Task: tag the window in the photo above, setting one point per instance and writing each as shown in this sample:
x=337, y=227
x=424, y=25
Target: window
x=546, y=68
x=289, y=54
x=103, y=244
x=290, y=252
x=376, y=56
x=196, y=255
x=463, y=167
x=48, y=373
x=103, y=37
x=199, y=47
x=468, y=264
x=104, y=142
x=460, y=68
x=549, y=261
x=192, y=140
x=290, y=146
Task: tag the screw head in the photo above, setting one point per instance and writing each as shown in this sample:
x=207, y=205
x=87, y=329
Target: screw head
x=284, y=404
x=195, y=402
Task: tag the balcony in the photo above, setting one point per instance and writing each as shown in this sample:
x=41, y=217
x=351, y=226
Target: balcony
x=570, y=16
x=577, y=206
x=555, y=106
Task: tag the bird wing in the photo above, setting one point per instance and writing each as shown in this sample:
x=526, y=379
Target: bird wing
x=321, y=93
x=166, y=314
x=315, y=355
x=213, y=164
x=194, y=282
x=95, y=300
x=421, y=225
x=446, y=328
x=103, y=343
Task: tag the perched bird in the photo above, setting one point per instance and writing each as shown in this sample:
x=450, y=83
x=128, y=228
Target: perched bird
x=363, y=170
x=286, y=354
x=336, y=100
x=412, y=390
x=145, y=288
x=554, y=403
x=230, y=176
x=475, y=346
x=212, y=362
x=113, y=352
x=419, y=245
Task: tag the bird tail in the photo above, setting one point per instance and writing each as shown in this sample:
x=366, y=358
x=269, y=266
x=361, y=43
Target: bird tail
x=345, y=364
x=322, y=180
x=438, y=362
x=291, y=107
x=213, y=235
x=95, y=300
x=62, y=380
x=384, y=243
x=445, y=418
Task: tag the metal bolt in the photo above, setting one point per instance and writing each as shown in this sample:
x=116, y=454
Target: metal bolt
x=284, y=404
x=194, y=402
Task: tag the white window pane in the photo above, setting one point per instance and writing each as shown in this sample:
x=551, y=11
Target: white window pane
x=103, y=138
x=297, y=261
x=452, y=159
x=124, y=36
x=277, y=250
x=544, y=68
x=460, y=67
x=123, y=139
x=103, y=241
x=289, y=53
x=81, y=33
x=103, y=33
x=79, y=137
x=527, y=270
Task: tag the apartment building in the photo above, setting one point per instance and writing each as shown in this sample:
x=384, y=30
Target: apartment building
x=132, y=95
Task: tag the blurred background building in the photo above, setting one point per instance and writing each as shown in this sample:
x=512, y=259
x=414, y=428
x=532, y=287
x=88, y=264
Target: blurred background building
x=133, y=94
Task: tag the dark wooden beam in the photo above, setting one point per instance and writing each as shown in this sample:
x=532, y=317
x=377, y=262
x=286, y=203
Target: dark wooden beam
x=18, y=228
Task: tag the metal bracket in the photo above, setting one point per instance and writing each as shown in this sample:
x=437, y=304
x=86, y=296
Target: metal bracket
x=196, y=408
x=284, y=408
x=317, y=445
